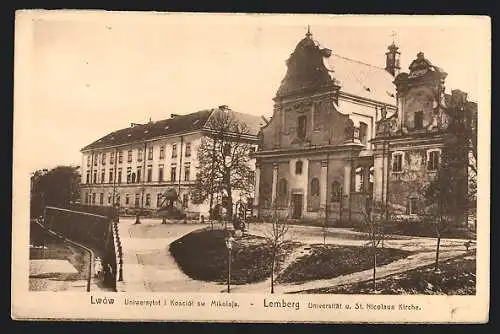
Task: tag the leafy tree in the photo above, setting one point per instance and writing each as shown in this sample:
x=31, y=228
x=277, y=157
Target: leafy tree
x=57, y=187
x=450, y=194
x=224, y=160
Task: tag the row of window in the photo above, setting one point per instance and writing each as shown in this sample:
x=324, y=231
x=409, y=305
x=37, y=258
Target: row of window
x=91, y=199
x=136, y=177
x=433, y=158
x=360, y=133
x=103, y=156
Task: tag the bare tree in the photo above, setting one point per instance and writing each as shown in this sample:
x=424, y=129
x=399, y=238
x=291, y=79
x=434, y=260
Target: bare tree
x=224, y=160
x=373, y=225
x=276, y=240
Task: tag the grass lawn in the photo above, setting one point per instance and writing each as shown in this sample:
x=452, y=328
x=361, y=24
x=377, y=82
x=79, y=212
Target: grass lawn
x=424, y=229
x=331, y=261
x=457, y=277
x=202, y=255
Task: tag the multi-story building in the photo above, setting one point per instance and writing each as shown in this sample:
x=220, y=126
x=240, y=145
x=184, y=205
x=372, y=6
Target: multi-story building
x=408, y=144
x=324, y=154
x=133, y=167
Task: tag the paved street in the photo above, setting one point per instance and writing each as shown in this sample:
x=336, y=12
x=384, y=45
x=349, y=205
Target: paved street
x=149, y=266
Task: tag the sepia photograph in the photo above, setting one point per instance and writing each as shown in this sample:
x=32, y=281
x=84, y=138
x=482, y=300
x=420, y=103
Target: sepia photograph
x=325, y=165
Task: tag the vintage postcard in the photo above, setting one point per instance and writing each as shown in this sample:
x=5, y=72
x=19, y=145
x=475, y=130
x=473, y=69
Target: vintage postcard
x=251, y=168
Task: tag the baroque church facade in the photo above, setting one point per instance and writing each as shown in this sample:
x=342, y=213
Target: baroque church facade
x=345, y=134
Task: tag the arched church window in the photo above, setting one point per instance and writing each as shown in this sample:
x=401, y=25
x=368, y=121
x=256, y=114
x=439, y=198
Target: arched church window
x=315, y=187
x=359, y=179
x=336, y=191
x=298, y=167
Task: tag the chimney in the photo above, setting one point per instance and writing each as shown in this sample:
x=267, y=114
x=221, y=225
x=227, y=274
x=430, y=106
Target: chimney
x=173, y=115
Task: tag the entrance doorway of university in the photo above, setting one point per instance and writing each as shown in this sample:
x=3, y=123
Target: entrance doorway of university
x=297, y=206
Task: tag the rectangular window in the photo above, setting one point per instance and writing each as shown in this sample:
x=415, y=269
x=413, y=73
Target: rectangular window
x=188, y=150
x=117, y=200
x=173, y=173
x=93, y=198
x=95, y=177
x=150, y=153
x=148, y=199
x=103, y=160
x=109, y=198
x=119, y=176
x=363, y=133
x=397, y=162
x=158, y=200
x=111, y=176
x=139, y=155
x=112, y=158
x=412, y=206
x=88, y=160
x=433, y=160
x=162, y=152
x=120, y=157
x=129, y=174
x=185, y=200
x=95, y=158
x=317, y=116
x=129, y=156
x=174, y=150
x=160, y=173
x=419, y=119
x=86, y=198
x=137, y=198
x=101, y=198
x=127, y=199
x=88, y=177
x=139, y=172
x=187, y=171
x=301, y=126
x=227, y=149
x=150, y=173
x=102, y=176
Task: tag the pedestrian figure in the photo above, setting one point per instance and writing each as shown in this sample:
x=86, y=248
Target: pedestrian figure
x=98, y=267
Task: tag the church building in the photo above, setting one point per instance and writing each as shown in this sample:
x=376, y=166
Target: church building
x=345, y=134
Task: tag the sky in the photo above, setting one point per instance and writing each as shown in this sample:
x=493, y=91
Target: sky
x=96, y=72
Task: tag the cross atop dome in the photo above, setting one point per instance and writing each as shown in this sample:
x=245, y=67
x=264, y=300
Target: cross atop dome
x=308, y=34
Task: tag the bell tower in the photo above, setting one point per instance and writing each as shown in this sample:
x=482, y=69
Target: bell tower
x=392, y=60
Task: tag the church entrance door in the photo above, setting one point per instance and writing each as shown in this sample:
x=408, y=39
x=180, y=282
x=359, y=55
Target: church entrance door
x=297, y=206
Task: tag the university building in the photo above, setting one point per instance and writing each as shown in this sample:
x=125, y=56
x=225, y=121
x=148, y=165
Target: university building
x=345, y=133
x=135, y=166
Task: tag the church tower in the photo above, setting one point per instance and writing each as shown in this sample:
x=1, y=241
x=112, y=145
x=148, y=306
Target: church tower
x=392, y=60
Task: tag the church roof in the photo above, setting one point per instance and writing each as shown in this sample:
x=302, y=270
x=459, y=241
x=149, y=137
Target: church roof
x=177, y=124
x=363, y=80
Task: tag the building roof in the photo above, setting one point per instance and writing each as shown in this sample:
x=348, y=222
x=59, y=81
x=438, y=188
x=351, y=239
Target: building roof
x=177, y=124
x=363, y=80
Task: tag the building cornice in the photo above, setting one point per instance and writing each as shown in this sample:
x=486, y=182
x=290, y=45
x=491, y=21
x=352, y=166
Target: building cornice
x=103, y=148
x=311, y=150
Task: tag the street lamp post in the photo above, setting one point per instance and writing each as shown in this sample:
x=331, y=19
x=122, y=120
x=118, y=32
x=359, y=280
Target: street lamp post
x=229, y=245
